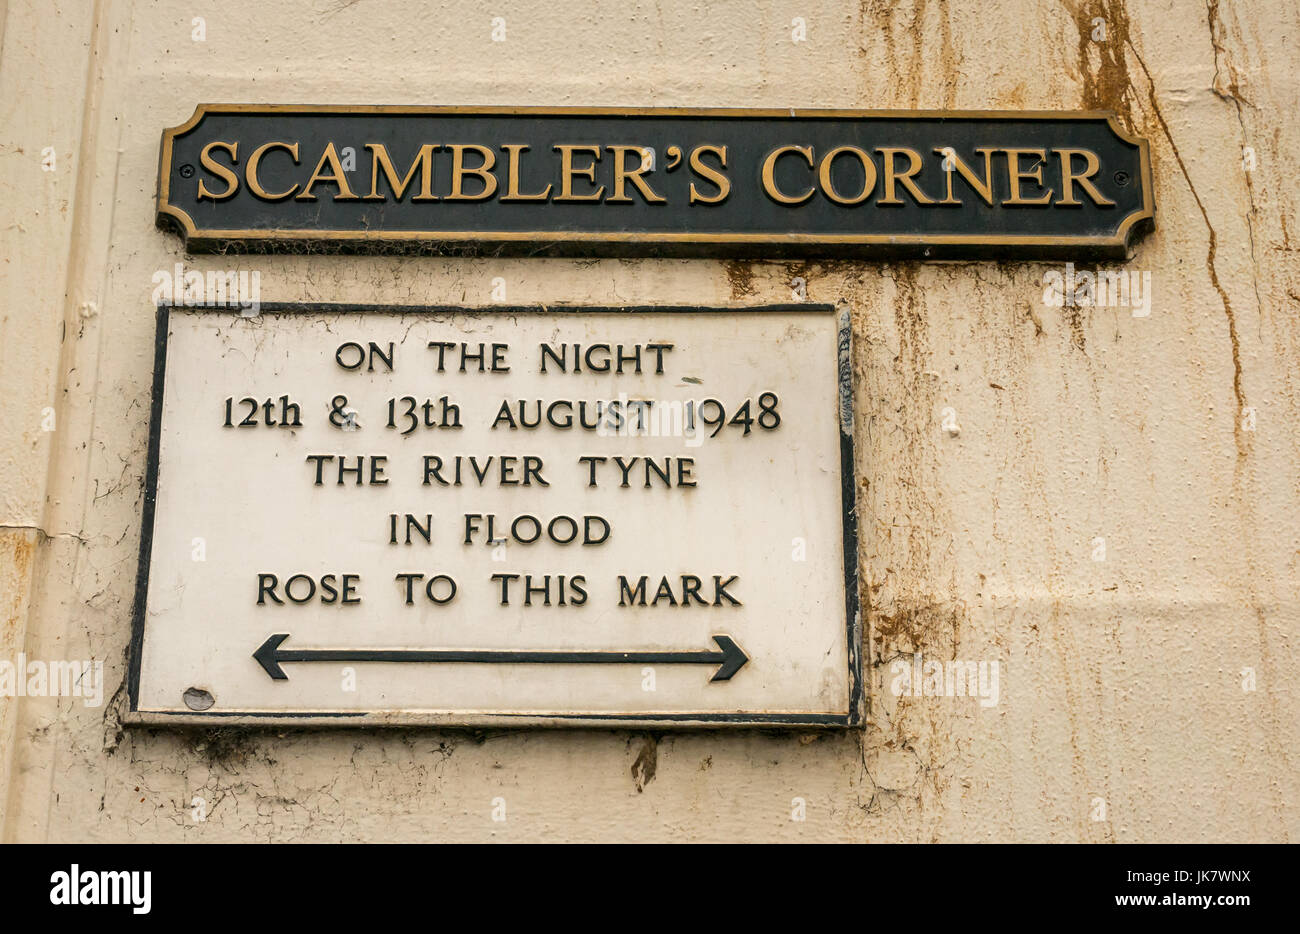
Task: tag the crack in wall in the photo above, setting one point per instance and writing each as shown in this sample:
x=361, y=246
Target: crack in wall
x=42, y=536
x=1234, y=96
x=1238, y=392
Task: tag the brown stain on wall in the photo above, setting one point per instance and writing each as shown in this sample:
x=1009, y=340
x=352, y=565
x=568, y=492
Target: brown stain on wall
x=1108, y=85
x=740, y=276
x=920, y=619
x=1262, y=594
x=646, y=763
x=17, y=550
x=910, y=605
x=1103, y=67
x=893, y=24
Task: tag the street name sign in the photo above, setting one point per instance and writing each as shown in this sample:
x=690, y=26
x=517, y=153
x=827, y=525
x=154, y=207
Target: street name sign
x=657, y=182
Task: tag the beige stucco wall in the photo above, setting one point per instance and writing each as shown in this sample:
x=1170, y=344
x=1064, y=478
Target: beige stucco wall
x=1122, y=679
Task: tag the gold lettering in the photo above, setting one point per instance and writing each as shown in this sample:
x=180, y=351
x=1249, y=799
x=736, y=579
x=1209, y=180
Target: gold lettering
x=336, y=175
x=512, y=185
x=422, y=163
x=868, y=168
x=1069, y=177
x=483, y=171
x=219, y=170
x=892, y=175
x=983, y=187
x=710, y=174
x=622, y=175
x=1015, y=174
x=769, y=175
x=255, y=160
x=568, y=170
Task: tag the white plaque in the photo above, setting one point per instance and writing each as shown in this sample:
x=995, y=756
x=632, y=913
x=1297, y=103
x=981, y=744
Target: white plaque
x=499, y=516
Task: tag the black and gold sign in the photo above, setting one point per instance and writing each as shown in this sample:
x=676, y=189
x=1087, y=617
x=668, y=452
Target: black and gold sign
x=733, y=183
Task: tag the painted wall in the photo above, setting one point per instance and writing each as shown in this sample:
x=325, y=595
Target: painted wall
x=1165, y=445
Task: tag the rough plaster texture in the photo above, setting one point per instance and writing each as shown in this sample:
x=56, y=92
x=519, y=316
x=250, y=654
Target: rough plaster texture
x=1121, y=678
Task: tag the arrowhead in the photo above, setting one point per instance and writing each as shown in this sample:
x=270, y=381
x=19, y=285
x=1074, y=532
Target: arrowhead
x=733, y=659
x=266, y=656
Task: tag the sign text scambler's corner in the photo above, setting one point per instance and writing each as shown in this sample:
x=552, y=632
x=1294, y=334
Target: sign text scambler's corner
x=736, y=183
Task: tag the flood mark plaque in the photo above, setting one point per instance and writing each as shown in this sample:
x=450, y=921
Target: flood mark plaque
x=500, y=516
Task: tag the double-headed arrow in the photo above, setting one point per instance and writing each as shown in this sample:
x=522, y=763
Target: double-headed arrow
x=729, y=660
